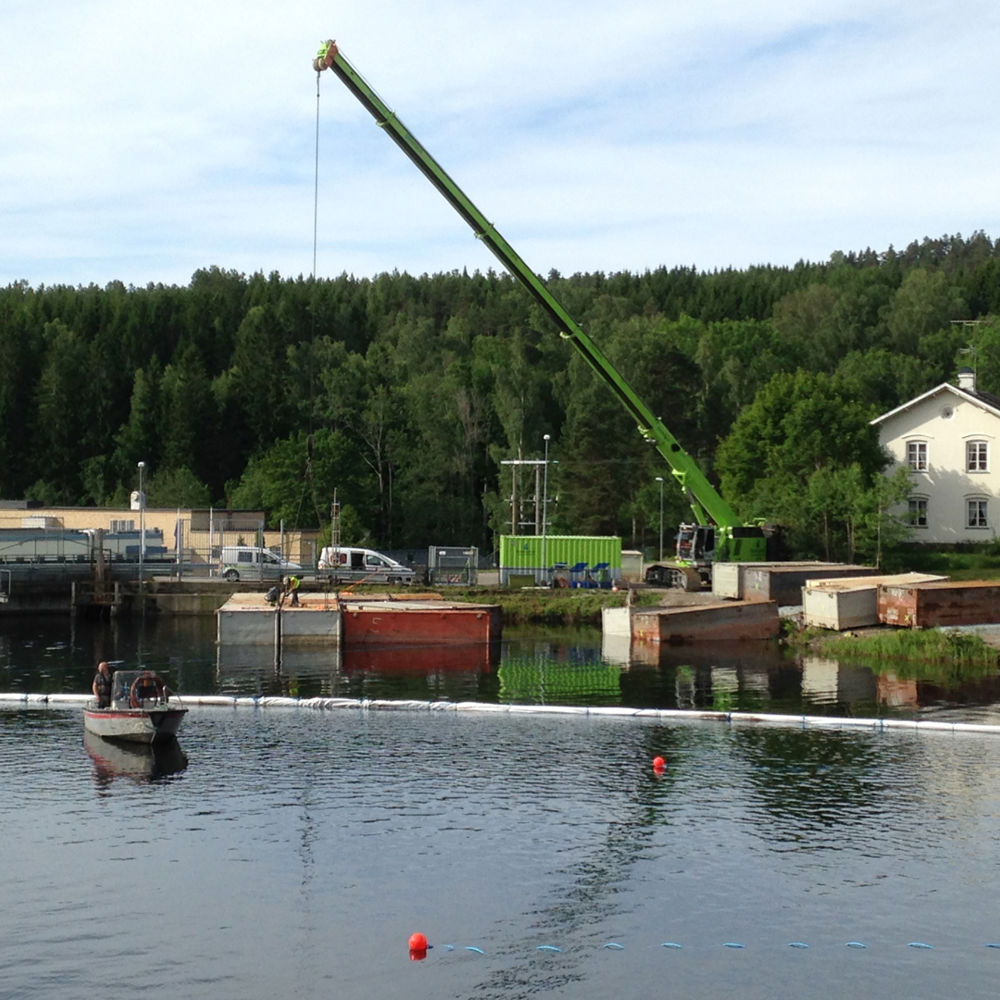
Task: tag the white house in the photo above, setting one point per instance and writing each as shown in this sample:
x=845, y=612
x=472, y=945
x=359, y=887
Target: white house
x=948, y=438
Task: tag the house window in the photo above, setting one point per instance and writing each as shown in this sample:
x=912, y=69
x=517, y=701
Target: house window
x=976, y=456
x=918, y=512
x=976, y=514
x=117, y=526
x=916, y=455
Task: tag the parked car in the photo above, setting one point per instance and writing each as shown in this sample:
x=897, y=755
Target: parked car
x=342, y=563
x=250, y=562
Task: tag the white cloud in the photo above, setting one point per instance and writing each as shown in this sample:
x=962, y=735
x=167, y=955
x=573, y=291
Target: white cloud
x=144, y=141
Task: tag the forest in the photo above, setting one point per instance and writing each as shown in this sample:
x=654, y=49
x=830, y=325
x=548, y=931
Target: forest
x=405, y=396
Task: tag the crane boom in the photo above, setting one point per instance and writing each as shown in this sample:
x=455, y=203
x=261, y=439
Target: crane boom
x=707, y=504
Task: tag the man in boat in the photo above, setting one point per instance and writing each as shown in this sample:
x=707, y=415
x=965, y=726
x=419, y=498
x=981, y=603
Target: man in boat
x=102, y=684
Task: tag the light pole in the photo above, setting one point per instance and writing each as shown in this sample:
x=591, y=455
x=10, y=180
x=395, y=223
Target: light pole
x=142, y=521
x=659, y=479
x=545, y=508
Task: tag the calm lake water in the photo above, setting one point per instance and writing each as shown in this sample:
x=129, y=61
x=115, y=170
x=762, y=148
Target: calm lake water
x=292, y=852
x=531, y=666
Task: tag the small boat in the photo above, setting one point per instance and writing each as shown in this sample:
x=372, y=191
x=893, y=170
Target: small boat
x=140, y=710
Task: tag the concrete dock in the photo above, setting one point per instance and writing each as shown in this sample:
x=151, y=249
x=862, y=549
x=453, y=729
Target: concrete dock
x=781, y=582
x=852, y=602
x=248, y=618
x=325, y=619
x=708, y=621
x=939, y=604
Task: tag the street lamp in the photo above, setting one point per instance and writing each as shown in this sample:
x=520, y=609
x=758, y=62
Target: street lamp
x=142, y=520
x=545, y=506
x=659, y=479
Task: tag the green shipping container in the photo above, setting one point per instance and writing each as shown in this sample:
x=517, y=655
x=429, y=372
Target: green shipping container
x=573, y=558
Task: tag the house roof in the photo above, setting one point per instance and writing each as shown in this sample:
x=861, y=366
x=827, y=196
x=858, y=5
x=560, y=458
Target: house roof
x=986, y=400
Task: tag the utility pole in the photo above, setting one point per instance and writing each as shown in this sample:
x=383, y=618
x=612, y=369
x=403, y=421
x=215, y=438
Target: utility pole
x=515, y=463
x=142, y=536
x=659, y=479
x=545, y=509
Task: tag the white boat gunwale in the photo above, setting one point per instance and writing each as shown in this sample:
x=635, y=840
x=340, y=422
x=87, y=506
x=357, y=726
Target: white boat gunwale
x=140, y=710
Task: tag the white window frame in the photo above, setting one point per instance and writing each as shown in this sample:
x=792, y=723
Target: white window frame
x=120, y=525
x=977, y=513
x=916, y=456
x=977, y=456
x=917, y=511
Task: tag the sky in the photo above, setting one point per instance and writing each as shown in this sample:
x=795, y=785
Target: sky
x=144, y=141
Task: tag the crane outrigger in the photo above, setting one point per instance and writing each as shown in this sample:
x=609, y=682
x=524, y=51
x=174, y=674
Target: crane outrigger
x=717, y=534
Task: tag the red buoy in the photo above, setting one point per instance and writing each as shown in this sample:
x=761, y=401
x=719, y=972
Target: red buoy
x=659, y=764
x=418, y=947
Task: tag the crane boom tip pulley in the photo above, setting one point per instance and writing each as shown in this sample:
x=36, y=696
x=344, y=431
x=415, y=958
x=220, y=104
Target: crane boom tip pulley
x=325, y=56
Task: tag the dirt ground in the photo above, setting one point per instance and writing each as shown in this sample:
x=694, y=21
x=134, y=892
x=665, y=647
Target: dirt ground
x=675, y=598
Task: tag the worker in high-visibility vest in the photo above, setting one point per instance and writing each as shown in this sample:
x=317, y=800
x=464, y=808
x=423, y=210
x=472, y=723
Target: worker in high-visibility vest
x=293, y=590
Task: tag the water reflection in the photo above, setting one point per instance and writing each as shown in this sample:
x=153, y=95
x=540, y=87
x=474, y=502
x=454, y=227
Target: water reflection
x=803, y=780
x=530, y=666
x=445, y=672
x=137, y=762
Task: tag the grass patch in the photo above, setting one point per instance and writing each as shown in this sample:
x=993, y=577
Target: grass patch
x=550, y=606
x=915, y=644
x=962, y=563
x=915, y=654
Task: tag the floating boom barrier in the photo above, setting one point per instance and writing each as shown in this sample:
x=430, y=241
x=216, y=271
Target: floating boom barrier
x=598, y=711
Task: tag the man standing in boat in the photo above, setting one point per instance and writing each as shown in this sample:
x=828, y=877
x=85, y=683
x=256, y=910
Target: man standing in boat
x=102, y=685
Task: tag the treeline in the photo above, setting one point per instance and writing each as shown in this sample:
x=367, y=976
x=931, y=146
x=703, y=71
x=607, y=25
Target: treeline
x=406, y=395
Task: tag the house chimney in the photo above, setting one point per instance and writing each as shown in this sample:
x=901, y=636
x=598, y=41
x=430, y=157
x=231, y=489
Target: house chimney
x=967, y=379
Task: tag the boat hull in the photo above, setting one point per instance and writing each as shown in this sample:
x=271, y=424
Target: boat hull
x=135, y=725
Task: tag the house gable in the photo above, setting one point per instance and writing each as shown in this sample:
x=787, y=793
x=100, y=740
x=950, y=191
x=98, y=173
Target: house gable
x=949, y=438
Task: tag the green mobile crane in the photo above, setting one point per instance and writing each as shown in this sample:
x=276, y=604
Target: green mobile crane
x=717, y=533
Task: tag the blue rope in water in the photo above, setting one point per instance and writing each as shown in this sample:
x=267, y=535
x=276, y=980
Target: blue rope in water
x=735, y=945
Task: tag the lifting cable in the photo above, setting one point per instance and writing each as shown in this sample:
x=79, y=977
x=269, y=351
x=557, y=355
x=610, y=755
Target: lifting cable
x=316, y=188
x=310, y=482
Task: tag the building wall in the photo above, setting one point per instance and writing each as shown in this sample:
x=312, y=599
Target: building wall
x=197, y=544
x=945, y=422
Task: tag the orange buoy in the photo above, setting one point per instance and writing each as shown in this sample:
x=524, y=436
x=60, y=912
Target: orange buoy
x=418, y=947
x=659, y=764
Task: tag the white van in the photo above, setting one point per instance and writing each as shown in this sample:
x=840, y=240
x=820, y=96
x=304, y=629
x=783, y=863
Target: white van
x=250, y=562
x=340, y=563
